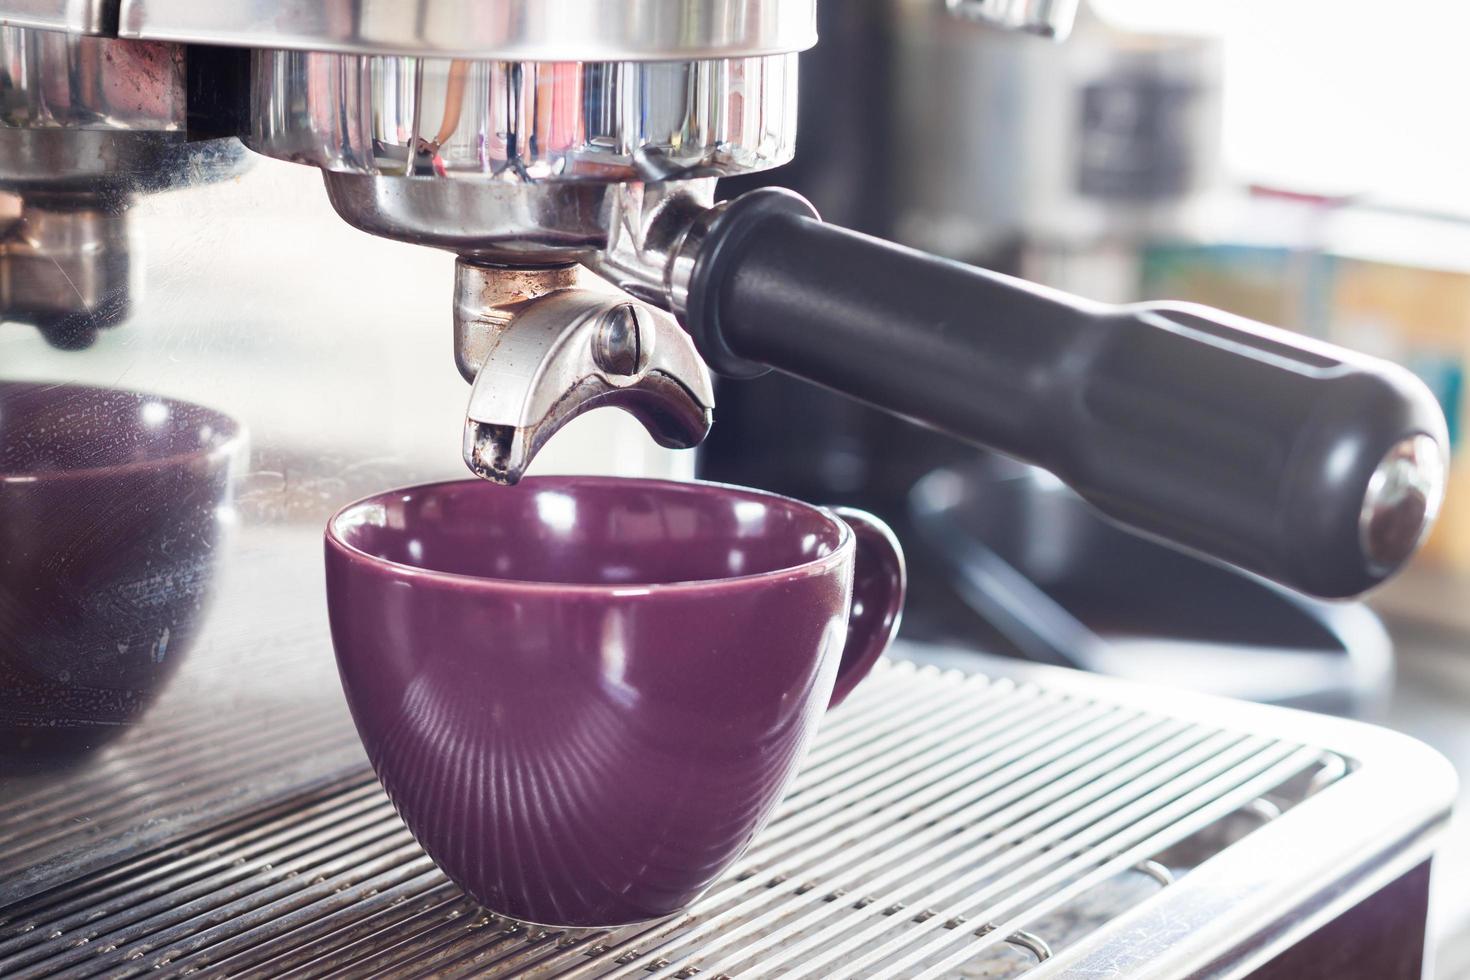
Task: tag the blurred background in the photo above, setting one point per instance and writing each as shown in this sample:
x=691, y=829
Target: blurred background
x=1304, y=164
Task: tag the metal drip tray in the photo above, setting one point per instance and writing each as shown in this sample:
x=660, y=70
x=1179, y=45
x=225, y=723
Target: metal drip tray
x=944, y=825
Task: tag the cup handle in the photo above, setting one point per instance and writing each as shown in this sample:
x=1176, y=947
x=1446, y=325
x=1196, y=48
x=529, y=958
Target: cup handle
x=879, y=581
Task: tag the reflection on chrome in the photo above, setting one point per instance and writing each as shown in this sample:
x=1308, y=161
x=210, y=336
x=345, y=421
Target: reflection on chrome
x=452, y=119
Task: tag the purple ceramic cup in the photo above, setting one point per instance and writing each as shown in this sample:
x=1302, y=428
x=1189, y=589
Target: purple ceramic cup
x=110, y=520
x=586, y=695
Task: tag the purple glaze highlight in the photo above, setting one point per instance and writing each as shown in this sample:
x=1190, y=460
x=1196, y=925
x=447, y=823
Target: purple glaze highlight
x=586, y=695
x=109, y=504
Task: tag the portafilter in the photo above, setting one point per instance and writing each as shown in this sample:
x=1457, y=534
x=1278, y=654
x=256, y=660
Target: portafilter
x=541, y=139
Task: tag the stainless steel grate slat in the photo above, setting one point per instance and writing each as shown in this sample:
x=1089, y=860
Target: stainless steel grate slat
x=1018, y=852
x=880, y=863
x=943, y=826
x=154, y=896
x=1216, y=798
x=171, y=868
x=204, y=757
x=870, y=760
x=131, y=795
x=415, y=902
x=186, y=769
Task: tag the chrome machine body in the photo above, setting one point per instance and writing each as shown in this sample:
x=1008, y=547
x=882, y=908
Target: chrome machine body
x=519, y=146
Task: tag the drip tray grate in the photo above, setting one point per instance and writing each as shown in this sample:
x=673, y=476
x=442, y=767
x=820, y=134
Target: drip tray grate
x=943, y=825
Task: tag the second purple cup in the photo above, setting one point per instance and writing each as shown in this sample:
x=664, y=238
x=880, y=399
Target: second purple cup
x=584, y=695
x=113, y=511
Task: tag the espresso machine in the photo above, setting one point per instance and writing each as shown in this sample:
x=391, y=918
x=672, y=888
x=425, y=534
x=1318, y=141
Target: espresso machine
x=572, y=174
x=566, y=154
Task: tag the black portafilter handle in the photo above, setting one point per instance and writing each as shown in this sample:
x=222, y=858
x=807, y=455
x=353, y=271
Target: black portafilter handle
x=1308, y=464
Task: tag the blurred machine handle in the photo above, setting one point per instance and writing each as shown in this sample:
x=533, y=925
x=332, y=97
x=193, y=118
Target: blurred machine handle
x=1311, y=465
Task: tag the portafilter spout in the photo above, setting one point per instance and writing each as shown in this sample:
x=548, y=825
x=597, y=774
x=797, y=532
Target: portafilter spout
x=542, y=350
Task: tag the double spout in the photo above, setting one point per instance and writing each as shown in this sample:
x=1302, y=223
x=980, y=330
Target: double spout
x=540, y=350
